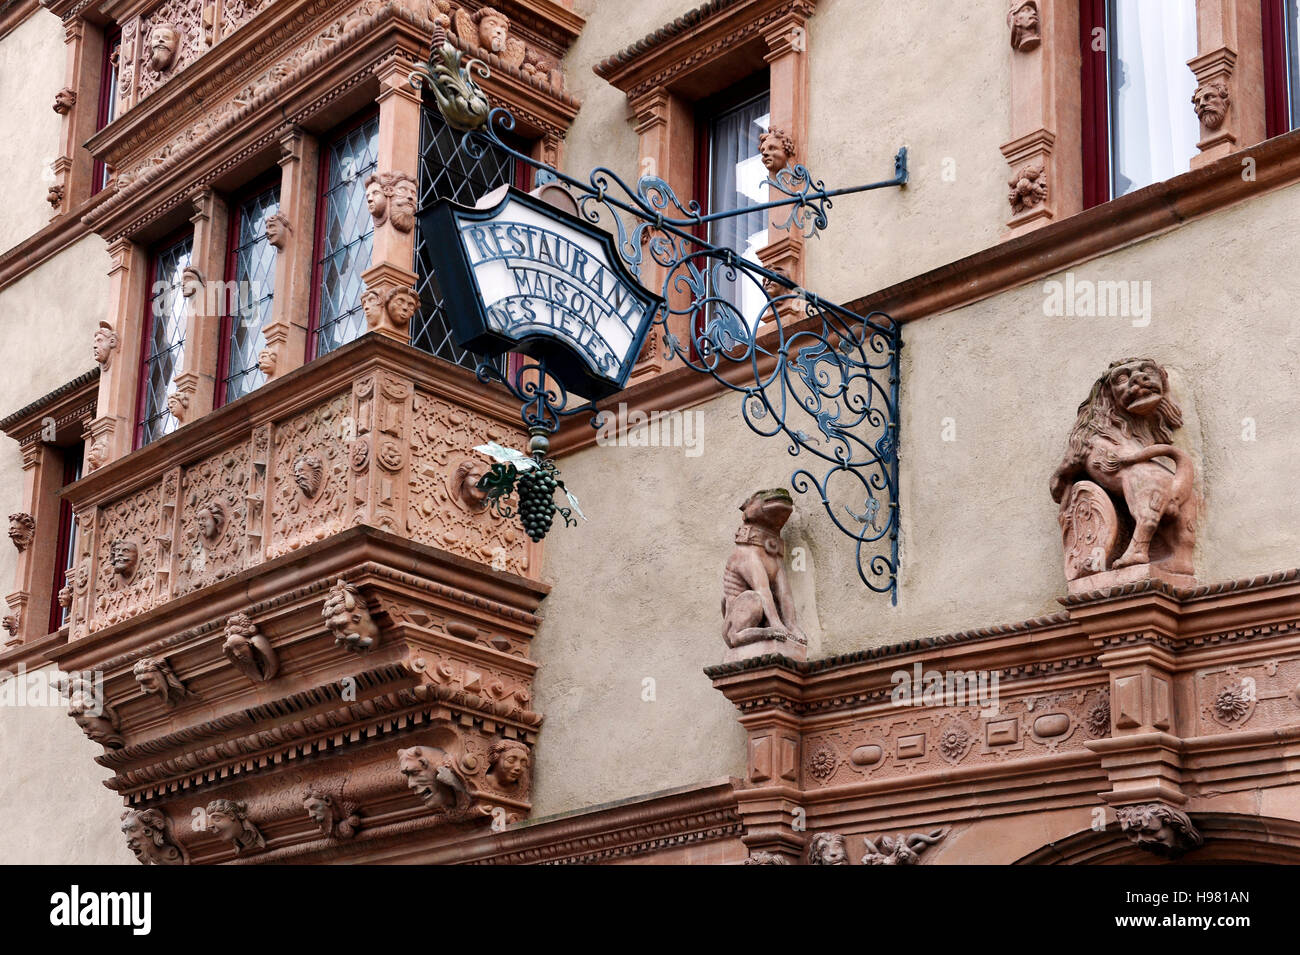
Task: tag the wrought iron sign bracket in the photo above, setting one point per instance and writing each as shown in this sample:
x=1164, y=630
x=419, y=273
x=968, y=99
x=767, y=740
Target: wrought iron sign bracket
x=824, y=378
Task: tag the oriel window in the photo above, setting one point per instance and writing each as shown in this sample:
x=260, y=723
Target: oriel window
x=251, y=272
x=163, y=354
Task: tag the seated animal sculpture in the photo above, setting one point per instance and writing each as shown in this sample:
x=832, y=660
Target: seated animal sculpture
x=756, y=600
x=1120, y=506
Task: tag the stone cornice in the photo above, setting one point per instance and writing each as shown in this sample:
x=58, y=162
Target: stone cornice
x=688, y=41
x=64, y=231
x=73, y=397
x=13, y=13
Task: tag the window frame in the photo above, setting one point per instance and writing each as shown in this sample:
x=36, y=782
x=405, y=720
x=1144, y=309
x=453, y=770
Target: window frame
x=146, y=330
x=262, y=184
x=107, y=97
x=1094, y=103
x=65, y=540
x=1278, y=93
x=318, y=232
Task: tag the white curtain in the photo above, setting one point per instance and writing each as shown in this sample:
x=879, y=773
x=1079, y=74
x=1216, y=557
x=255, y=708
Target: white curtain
x=1153, y=127
x=736, y=177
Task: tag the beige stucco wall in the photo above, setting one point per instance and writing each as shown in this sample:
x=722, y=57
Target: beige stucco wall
x=32, y=67
x=637, y=587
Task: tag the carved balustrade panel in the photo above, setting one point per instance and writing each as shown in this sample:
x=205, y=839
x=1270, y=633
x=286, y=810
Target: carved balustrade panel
x=215, y=501
x=309, y=480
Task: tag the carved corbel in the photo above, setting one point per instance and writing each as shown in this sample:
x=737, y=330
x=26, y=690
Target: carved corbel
x=96, y=717
x=278, y=230
x=156, y=678
x=900, y=849
x=1022, y=20
x=148, y=836
x=248, y=650
x=335, y=818
x=828, y=848
x=436, y=777
x=229, y=821
x=64, y=100
x=22, y=529
x=392, y=197
x=348, y=618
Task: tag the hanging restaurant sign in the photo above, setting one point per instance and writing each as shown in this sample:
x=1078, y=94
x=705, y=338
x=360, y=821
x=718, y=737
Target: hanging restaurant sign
x=518, y=274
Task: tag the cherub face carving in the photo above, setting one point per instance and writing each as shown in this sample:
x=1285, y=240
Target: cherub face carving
x=163, y=44
x=123, y=555
x=493, y=28
x=307, y=471
x=210, y=518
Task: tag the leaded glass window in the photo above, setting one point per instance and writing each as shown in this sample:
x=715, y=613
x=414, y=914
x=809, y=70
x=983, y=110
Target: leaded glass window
x=164, y=341
x=252, y=270
x=447, y=172
x=346, y=236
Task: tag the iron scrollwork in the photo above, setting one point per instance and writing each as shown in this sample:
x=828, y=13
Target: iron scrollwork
x=824, y=378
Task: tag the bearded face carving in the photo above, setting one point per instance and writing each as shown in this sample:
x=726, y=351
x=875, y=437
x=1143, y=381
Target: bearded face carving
x=334, y=818
x=1211, y=101
x=308, y=471
x=64, y=100
x=97, y=719
x=431, y=773
x=493, y=29
x=1110, y=480
x=102, y=344
x=392, y=197
x=776, y=149
x=1022, y=18
x=508, y=763
x=124, y=555
x=164, y=41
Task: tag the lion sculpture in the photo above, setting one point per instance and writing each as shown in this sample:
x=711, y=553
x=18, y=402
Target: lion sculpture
x=1120, y=506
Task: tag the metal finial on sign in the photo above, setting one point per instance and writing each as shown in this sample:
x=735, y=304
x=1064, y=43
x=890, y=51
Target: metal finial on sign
x=461, y=102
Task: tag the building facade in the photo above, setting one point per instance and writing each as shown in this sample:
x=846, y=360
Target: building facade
x=264, y=612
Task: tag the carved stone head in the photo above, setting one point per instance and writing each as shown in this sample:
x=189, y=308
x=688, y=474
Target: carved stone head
x=308, y=471
x=97, y=719
x=333, y=818
x=1211, y=101
x=64, y=100
x=372, y=303
x=776, y=147
x=493, y=28
x=400, y=304
x=828, y=848
x=228, y=820
x=1138, y=385
x=376, y=199
x=65, y=596
x=768, y=509
x=392, y=195
x=123, y=555
x=774, y=289
x=211, y=519
x=278, y=229
x=102, y=344
x=464, y=484
x=156, y=678
x=431, y=773
x=348, y=618
x=146, y=837
x=266, y=361
x=191, y=281
x=22, y=528
x=508, y=762
x=164, y=41
x=178, y=403
x=1022, y=18
x=1158, y=828
x=97, y=454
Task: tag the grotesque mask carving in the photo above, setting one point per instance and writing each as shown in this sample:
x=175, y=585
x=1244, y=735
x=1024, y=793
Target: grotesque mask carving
x=164, y=41
x=97, y=454
x=102, y=344
x=1022, y=18
x=776, y=148
x=348, y=618
x=1028, y=188
x=335, y=819
x=157, y=679
x=123, y=555
x=1211, y=102
x=64, y=100
x=1158, y=828
x=1126, y=423
x=828, y=848
x=147, y=837
x=278, y=230
x=508, y=762
x=92, y=713
x=307, y=473
x=431, y=773
x=248, y=650
x=22, y=528
x=228, y=820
